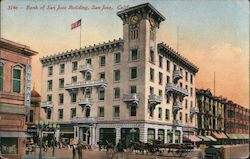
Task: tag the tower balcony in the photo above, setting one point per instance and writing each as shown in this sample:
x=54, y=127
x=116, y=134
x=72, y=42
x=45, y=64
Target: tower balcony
x=177, y=106
x=131, y=99
x=172, y=88
x=85, y=68
x=86, y=102
x=177, y=74
x=93, y=83
x=193, y=111
x=177, y=123
x=47, y=105
x=154, y=100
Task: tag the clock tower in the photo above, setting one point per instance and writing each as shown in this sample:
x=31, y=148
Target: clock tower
x=140, y=26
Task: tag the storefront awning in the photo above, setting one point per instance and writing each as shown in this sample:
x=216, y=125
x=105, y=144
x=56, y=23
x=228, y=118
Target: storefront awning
x=14, y=134
x=232, y=136
x=219, y=135
x=204, y=138
x=192, y=138
x=211, y=138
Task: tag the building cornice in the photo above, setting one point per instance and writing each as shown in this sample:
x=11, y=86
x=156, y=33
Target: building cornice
x=145, y=11
x=176, y=57
x=105, y=47
x=15, y=47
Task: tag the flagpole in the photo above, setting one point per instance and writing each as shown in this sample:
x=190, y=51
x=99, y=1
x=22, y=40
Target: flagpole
x=81, y=34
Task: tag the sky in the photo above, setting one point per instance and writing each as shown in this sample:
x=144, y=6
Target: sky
x=213, y=34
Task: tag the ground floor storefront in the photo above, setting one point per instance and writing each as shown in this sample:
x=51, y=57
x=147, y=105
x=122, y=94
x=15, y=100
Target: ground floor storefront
x=93, y=132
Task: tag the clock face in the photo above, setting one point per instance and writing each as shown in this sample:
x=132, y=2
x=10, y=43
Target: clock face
x=134, y=19
x=152, y=22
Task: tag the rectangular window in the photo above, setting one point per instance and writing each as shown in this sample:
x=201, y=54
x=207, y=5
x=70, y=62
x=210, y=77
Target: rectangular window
x=49, y=97
x=88, y=61
x=60, y=113
x=102, y=61
x=151, y=90
x=101, y=94
x=16, y=85
x=159, y=113
x=31, y=116
x=167, y=114
x=132, y=110
x=73, y=97
x=74, y=79
x=191, y=79
x=61, y=83
x=168, y=65
x=186, y=117
x=134, y=54
x=160, y=61
x=48, y=114
x=61, y=98
x=72, y=112
x=181, y=84
x=9, y=145
x=50, y=84
x=116, y=93
x=151, y=135
x=117, y=58
x=168, y=99
x=186, y=77
x=132, y=89
x=174, y=67
x=191, y=104
x=50, y=70
x=160, y=93
x=1, y=77
x=102, y=75
x=101, y=112
x=160, y=78
x=62, y=68
x=116, y=111
x=180, y=116
x=186, y=103
x=151, y=56
x=191, y=92
x=151, y=74
x=133, y=73
x=168, y=79
x=74, y=66
x=117, y=75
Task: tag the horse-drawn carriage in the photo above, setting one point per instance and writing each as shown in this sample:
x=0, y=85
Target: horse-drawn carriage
x=155, y=148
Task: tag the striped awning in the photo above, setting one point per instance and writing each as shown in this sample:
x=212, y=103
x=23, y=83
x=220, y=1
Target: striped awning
x=203, y=138
x=192, y=138
x=211, y=138
x=14, y=134
x=219, y=135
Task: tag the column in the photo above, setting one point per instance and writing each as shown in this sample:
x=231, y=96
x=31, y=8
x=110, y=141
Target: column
x=80, y=134
x=181, y=135
x=118, y=134
x=156, y=133
x=143, y=134
x=174, y=135
x=76, y=134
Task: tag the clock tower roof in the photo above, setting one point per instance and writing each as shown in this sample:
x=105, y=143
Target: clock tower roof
x=146, y=10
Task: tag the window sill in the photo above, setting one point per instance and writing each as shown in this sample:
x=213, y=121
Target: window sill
x=116, y=99
x=132, y=79
x=116, y=118
x=117, y=81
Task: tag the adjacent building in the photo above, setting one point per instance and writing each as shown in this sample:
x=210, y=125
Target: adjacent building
x=211, y=115
x=133, y=88
x=15, y=89
x=237, y=122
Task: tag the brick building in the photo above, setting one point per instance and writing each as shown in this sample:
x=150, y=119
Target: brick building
x=15, y=83
x=236, y=122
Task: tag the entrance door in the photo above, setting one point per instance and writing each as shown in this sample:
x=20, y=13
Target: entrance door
x=129, y=135
x=86, y=135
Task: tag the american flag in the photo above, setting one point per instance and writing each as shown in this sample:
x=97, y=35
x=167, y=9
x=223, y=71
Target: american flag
x=76, y=24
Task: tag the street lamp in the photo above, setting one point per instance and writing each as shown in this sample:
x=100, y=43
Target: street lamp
x=54, y=127
x=41, y=124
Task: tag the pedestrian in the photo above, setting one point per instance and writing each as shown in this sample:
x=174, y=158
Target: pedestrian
x=120, y=149
x=79, y=150
x=74, y=151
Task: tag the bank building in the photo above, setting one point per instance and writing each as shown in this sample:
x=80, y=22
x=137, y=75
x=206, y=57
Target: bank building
x=133, y=88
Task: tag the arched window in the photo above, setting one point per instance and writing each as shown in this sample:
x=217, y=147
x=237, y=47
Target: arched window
x=17, y=78
x=1, y=75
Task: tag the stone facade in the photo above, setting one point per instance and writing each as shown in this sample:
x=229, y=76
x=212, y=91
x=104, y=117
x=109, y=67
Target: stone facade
x=133, y=85
x=14, y=59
